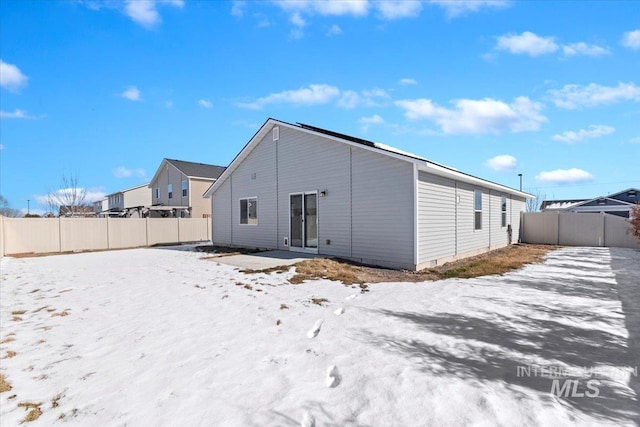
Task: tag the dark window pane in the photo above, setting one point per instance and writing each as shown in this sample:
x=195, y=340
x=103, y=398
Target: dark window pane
x=243, y=212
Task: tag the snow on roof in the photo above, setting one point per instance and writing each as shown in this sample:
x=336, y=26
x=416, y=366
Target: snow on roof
x=560, y=205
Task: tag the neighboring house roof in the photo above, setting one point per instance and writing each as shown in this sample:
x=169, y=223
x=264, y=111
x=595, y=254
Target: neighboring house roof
x=192, y=169
x=128, y=189
x=603, y=202
x=423, y=163
x=631, y=195
x=554, y=205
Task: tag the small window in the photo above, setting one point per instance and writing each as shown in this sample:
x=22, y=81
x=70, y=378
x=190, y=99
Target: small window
x=503, y=209
x=170, y=191
x=632, y=194
x=184, y=188
x=602, y=202
x=249, y=211
x=157, y=192
x=477, y=218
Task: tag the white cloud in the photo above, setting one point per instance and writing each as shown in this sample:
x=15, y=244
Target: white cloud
x=315, y=94
x=526, y=43
x=407, y=81
x=124, y=172
x=631, y=39
x=205, y=103
x=575, y=96
x=564, y=176
x=168, y=104
x=502, y=163
x=1, y=147
x=131, y=93
x=582, y=48
x=145, y=12
x=456, y=8
x=396, y=9
x=326, y=7
x=335, y=30
x=367, y=98
x=368, y=121
x=91, y=195
x=635, y=140
x=16, y=114
x=594, y=131
x=11, y=78
x=237, y=8
x=478, y=116
x=298, y=23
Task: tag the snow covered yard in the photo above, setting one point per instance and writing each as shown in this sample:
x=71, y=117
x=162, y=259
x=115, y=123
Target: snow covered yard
x=160, y=337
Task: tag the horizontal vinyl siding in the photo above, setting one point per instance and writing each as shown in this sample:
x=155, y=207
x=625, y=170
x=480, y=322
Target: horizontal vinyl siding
x=261, y=162
x=312, y=163
x=221, y=218
x=498, y=232
x=436, y=217
x=469, y=239
x=383, y=209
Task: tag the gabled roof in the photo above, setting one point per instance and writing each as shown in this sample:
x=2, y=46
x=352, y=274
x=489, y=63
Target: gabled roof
x=423, y=164
x=608, y=202
x=192, y=169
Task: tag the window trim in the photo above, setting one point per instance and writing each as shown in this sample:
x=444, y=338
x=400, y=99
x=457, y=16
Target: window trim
x=240, y=210
x=157, y=192
x=477, y=226
x=503, y=211
x=170, y=191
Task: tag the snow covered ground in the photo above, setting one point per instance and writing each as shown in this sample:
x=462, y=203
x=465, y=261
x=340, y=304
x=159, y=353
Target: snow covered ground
x=159, y=337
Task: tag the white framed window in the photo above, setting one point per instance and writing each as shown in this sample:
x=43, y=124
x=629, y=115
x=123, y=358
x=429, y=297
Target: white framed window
x=170, y=191
x=477, y=210
x=157, y=192
x=249, y=211
x=503, y=210
x=185, y=187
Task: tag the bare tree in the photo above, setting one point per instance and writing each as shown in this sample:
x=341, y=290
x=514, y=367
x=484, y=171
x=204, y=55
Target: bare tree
x=533, y=204
x=634, y=220
x=69, y=199
x=6, y=210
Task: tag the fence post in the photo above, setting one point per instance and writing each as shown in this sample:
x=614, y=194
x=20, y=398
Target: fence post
x=604, y=225
x=59, y=234
x=108, y=241
x=178, y=229
x=146, y=230
x=558, y=227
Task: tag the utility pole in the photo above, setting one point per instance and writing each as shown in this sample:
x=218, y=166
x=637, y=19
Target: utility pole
x=28, y=206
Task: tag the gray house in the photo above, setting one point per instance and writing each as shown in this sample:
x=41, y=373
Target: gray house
x=619, y=204
x=306, y=189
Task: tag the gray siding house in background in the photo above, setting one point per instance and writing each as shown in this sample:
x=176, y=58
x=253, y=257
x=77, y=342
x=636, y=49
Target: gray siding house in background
x=178, y=186
x=302, y=188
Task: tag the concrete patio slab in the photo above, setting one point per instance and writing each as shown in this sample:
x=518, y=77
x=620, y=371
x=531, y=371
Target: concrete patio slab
x=264, y=260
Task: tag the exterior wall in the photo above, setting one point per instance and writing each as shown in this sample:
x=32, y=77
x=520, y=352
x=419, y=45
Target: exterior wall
x=136, y=197
x=437, y=211
x=518, y=206
x=446, y=220
x=311, y=163
x=221, y=222
x=201, y=207
x=169, y=175
x=379, y=227
x=50, y=235
x=115, y=202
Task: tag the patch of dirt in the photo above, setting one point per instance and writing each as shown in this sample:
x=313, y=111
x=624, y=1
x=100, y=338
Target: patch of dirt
x=9, y=355
x=223, y=251
x=7, y=340
x=61, y=314
x=34, y=412
x=4, y=384
x=319, y=301
x=498, y=261
x=18, y=312
x=16, y=318
x=284, y=307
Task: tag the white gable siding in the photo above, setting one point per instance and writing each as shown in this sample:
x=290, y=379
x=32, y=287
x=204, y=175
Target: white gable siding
x=221, y=221
x=383, y=209
x=436, y=217
x=256, y=177
x=311, y=163
x=518, y=205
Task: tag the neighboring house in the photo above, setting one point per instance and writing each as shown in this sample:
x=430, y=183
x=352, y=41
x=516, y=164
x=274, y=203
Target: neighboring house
x=100, y=207
x=619, y=204
x=306, y=189
x=178, y=187
x=132, y=202
x=80, y=211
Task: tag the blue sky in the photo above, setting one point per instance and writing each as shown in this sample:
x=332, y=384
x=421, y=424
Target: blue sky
x=106, y=89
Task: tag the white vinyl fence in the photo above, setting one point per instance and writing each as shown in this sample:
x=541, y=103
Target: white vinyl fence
x=577, y=229
x=48, y=235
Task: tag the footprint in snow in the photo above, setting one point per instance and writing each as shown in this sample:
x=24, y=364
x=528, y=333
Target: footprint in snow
x=333, y=377
x=313, y=332
x=339, y=311
x=308, y=420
